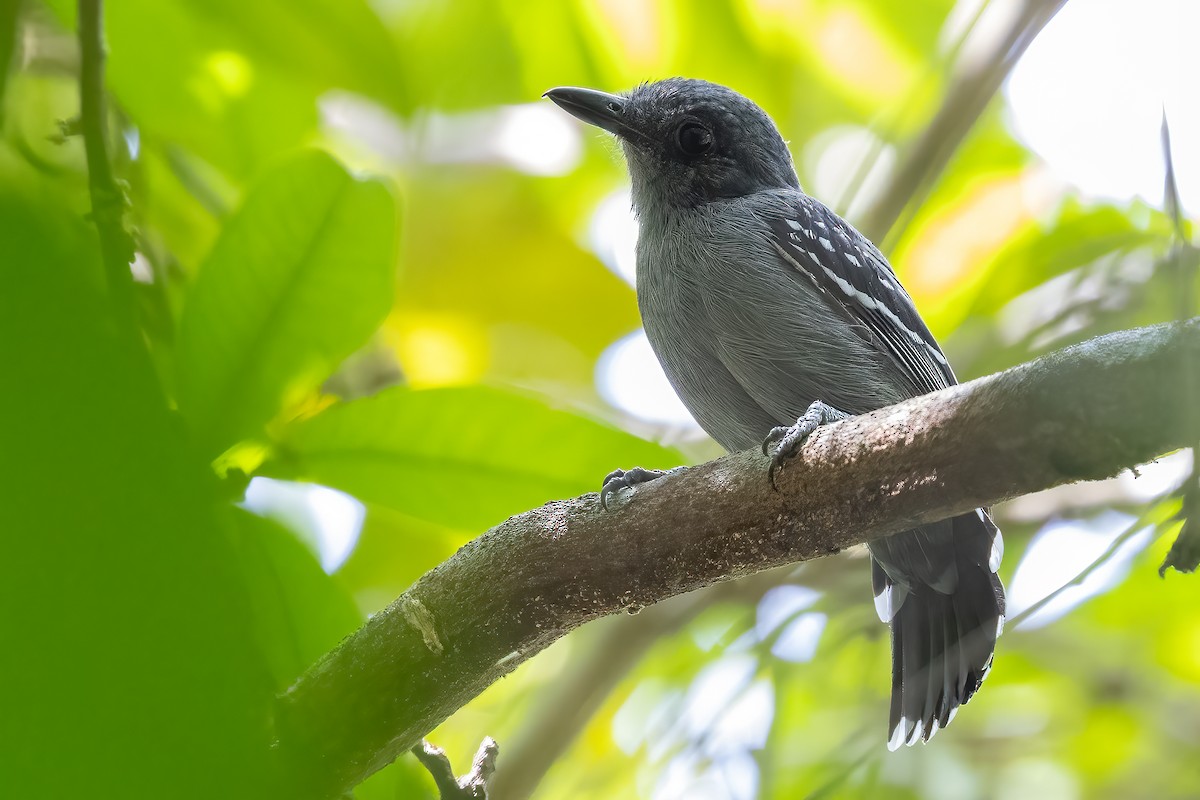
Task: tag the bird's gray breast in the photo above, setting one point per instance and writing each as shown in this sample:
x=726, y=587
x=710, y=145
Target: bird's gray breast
x=671, y=291
x=746, y=344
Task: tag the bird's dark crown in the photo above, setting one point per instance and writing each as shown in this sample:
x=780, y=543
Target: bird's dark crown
x=690, y=142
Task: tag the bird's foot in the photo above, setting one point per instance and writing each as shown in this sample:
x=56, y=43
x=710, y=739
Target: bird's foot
x=783, y=442
x=620, y=479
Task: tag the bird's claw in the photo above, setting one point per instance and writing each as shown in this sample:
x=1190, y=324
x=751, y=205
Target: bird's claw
x=783, y=442
x=620, y=479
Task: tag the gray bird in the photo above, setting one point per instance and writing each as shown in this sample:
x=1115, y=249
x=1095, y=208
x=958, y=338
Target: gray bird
x=771, y=315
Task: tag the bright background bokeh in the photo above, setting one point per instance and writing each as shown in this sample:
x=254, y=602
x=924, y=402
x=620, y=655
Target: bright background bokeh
x=1010, y=166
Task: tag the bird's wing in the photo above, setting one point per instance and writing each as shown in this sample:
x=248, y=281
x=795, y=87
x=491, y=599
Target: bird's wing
x=857, y=281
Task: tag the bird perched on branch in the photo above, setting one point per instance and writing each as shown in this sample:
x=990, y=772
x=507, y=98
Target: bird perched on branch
x=771, y=315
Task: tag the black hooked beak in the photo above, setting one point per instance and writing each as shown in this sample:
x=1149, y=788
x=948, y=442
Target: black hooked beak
x=601, y=109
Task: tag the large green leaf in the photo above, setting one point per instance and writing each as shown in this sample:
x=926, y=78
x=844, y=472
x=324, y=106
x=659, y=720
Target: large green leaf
x=392, y=551
x=327, y=43
x=404, y=777
x=299, y=611
x=462, y=457
x=1079, y=236
x=300, y=277
x=127, y=657
x=186, y=80
x=239, y=80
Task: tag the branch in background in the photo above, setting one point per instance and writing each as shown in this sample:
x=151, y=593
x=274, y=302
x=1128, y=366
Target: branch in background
x=620, y=644
x=567, y=706
x=473, y=785
x=10, y=12
x=926, y=157
x=1083, y=413
x=1184, y=555
x=1151, y=518
x=899, y=109
x=108, y=198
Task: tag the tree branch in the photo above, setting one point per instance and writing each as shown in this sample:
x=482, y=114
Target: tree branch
x=1083, y=413
x=567, y=706
x=924, y=159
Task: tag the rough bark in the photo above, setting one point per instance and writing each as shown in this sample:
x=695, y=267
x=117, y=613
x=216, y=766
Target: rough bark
x=1083, y=413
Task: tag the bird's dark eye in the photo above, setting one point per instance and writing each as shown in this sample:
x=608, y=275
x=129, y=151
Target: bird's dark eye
x=693, y=139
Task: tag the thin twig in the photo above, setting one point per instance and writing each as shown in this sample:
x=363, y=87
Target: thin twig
x=108, y=198
x=1151, y=517
x=887, y=125
x=926, y=158
x=872, y=752
x=1184, y=555
x=473, y=785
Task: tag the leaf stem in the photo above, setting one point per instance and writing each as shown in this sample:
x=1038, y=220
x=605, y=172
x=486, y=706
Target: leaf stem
x=108, y=198
x=1151, y=517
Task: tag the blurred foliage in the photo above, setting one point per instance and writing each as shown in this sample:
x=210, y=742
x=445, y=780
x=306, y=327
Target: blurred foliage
x=442, y=371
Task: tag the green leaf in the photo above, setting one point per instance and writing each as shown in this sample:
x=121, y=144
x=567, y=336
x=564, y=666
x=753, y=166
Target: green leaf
x=189, y=82
x=299, y=278
x=125, y=625
x=327, y=43
x=392, y=551
x=1080, y=236
x=299, y=611
x=403, y=778
x=238, y=81
x=462, y=457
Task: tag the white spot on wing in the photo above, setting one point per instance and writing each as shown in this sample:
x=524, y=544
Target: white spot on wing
x=869, y=302
x=997, y=553
x=883, y=605
x=897, y=738
x=917, y=730
x=865, y=300
x=791, y=223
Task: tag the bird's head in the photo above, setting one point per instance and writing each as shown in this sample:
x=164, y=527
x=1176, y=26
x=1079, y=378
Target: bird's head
x=688, y=142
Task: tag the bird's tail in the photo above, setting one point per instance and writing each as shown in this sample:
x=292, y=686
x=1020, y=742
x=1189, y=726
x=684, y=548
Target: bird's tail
x=943, y=641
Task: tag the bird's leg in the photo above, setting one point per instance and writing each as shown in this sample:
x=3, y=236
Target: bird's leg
x=783, y=442
x=620, y=479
